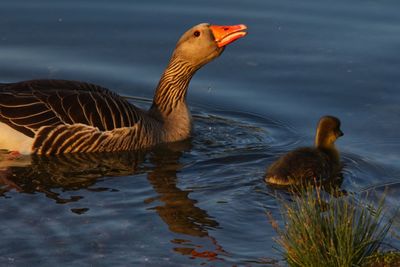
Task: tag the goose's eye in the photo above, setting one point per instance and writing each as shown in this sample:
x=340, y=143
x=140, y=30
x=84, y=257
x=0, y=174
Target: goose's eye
x=196, y=33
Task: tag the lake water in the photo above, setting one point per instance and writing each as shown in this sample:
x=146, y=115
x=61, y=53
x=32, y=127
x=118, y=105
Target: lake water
x=200, y=202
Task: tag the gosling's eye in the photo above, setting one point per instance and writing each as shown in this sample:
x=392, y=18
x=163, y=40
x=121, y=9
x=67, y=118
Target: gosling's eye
x=196, y=33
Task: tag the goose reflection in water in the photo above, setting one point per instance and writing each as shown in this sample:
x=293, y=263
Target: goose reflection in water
x=51, y=175
x=48, y=174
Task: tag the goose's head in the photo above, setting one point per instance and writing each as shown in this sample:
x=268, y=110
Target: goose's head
x=328, y=131
x=204, y=42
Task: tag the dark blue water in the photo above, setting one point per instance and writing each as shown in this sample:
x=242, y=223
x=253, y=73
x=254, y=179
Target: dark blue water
x=202, y=201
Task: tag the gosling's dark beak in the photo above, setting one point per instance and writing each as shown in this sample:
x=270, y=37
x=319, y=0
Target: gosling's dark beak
x=340, y=133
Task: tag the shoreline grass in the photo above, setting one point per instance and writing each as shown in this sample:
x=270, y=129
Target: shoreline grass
x=329, y=231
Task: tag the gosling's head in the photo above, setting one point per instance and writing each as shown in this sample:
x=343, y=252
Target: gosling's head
x=328, y=130
x=204, y=42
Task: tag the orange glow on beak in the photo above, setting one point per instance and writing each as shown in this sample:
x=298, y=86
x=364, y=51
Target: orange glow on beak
x=225, y=35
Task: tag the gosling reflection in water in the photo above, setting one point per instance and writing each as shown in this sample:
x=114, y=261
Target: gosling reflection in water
x=70, y=172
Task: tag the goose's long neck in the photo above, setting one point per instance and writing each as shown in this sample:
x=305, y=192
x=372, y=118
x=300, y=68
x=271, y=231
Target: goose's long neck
x=172, y=87
x=169, y=104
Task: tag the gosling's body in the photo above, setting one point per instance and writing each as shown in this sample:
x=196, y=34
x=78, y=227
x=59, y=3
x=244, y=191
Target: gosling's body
x=59, y=116
x=310, y=163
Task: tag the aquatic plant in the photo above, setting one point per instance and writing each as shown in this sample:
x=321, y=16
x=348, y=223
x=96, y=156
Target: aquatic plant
x=329, y=231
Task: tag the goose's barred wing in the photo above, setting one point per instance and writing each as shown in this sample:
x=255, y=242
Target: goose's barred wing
x=82, y=138
x=27, y=106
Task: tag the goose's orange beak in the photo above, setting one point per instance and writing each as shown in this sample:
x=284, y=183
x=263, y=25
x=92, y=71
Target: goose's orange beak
x=225, y=35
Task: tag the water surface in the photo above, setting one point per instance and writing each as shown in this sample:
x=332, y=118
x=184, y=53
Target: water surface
x=201, y=201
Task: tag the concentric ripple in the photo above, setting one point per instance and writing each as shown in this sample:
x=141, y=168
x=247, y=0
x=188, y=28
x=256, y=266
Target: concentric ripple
x=222, y=131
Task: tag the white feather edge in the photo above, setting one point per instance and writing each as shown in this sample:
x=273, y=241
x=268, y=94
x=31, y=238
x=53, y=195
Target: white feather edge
x=13, y=140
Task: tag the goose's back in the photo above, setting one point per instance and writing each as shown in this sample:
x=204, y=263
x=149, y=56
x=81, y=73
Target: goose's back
x=27, y=106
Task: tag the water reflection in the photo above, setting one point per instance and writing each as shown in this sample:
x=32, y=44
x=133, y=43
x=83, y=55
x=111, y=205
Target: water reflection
x=54, y=175
x=178, y=210
x=49, y=174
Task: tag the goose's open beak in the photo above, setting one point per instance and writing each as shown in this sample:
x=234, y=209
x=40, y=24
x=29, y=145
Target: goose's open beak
x=225, y=35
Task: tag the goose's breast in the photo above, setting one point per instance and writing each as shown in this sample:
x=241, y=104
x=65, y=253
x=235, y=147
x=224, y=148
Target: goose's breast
x=13, y=140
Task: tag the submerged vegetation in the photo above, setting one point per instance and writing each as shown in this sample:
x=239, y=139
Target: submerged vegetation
x=329, y=231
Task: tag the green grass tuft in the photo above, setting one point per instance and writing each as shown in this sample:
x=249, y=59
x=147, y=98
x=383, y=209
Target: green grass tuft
x=331, y=232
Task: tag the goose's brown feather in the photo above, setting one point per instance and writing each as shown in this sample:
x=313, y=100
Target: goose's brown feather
x=27, y=106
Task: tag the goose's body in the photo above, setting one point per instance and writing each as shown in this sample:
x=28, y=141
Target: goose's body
x=59, y=116
x=306, y=164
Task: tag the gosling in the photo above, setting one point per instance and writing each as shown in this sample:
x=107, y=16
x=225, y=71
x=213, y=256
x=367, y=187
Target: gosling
x=310, y=164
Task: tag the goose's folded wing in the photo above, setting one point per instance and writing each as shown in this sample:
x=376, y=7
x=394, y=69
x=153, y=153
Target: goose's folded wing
x=81, y=138
x=30, y=105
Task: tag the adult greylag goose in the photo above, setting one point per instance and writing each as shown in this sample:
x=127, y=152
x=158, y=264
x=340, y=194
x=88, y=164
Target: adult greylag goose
x=308, y=164
x=59, y=116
